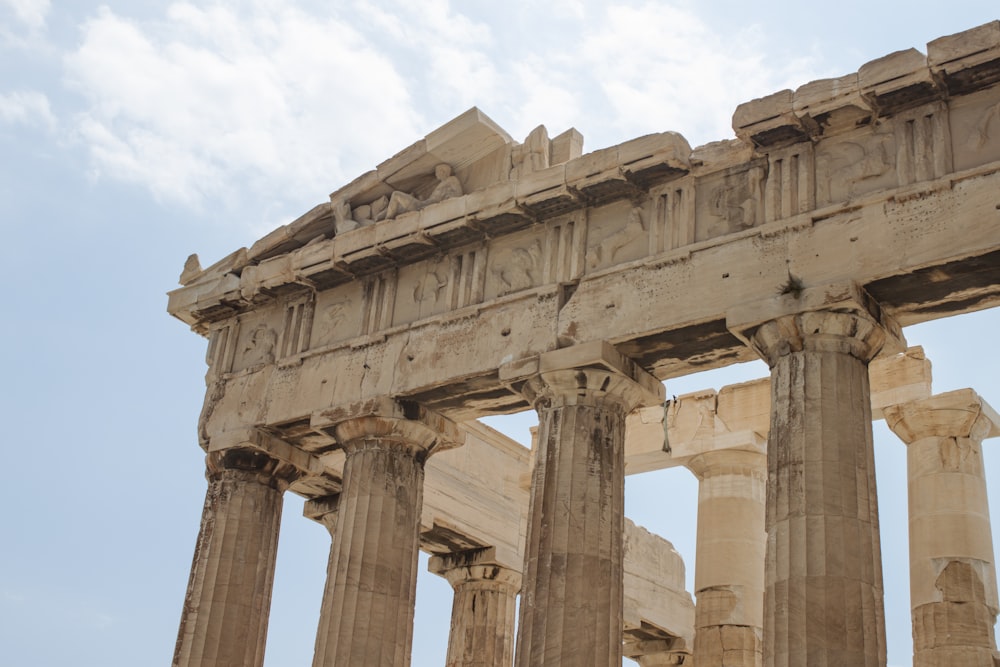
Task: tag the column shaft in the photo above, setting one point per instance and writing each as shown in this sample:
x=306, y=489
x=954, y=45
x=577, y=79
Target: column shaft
x=224, y=622
x=571, y=607
x=482, y=612
x=953, y=590
x=367, y=613
x=729, y=565
x=823, y=575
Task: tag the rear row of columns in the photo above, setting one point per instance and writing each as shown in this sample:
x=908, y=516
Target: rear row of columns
x=822, y=576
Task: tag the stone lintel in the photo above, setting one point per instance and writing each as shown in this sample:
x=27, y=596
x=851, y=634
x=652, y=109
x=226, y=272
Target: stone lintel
x=385, y=417
x=899, y=378
x=954, y=414
x=596, y=354
x=847, y=298
x=736, y=417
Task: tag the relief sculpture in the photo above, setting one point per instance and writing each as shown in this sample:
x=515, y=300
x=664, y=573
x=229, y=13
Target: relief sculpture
x=336, y=314
x=532, y=155
x=429, y=287
x=608, y=249
x=852, y=168
x=402, y=202
x=259, y=348
x=979, y=136
x=516, y=269
x=734, y=202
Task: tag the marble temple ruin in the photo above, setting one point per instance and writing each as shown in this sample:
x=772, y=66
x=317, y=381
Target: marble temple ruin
x=351, y=352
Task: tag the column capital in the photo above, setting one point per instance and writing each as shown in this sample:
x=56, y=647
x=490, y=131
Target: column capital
x=478, y=565
x=728, y=461
x=836, y=318
x=589, y=373
x=389, y=422
x=250, y=465
x=955, y=414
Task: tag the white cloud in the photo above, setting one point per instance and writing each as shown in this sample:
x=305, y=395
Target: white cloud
x=214, y=101
x=31, y=13
x=217, y=100
x=26, y=107
x=663, y=68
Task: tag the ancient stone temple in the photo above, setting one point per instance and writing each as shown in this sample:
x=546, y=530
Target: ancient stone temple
x=351, y=352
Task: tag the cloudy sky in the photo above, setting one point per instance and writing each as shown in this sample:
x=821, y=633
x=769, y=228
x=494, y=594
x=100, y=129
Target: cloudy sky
x=135, y=133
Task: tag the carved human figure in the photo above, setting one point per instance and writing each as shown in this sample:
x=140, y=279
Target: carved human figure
x=532, y=155
x=402, y=202
x=608, y=248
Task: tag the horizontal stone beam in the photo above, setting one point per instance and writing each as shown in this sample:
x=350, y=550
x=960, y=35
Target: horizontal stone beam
x=738, y=416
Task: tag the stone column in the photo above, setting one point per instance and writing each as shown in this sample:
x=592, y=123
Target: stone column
x=482, y=612
x=729, y=561
x=953, y=589
x=224, y=622
x=571, y=604
x=823, y=569
x=324, y=510
x=367, y=612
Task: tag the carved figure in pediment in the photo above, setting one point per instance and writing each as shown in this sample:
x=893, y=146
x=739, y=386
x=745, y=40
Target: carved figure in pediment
x=342, y=221
x=346, y=218
x=532, y=155
x=192, y=268
x=515, y=268
x=608, y=248
x=259, y=348
x=448, y=186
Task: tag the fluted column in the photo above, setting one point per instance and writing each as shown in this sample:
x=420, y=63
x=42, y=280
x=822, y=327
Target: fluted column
x=729, y=561
x=368, y=616
x=224, y=622
x=324, y=510
x=953, y=588
x=823, y=570
x=482, y=611
x=571, y=603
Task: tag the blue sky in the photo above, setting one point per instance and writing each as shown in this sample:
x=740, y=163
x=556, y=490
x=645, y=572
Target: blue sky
x=135, y=133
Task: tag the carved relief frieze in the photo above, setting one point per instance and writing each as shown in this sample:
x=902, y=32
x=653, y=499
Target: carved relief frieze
x=617, y=233
x=730, y=201
x=672, y=221
x=337, y=315
x=975, y=129
x=855, y=164
x=256, y=342
x=424, y=290
x=790, y=188
x=440, y=284
x=515, y=263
